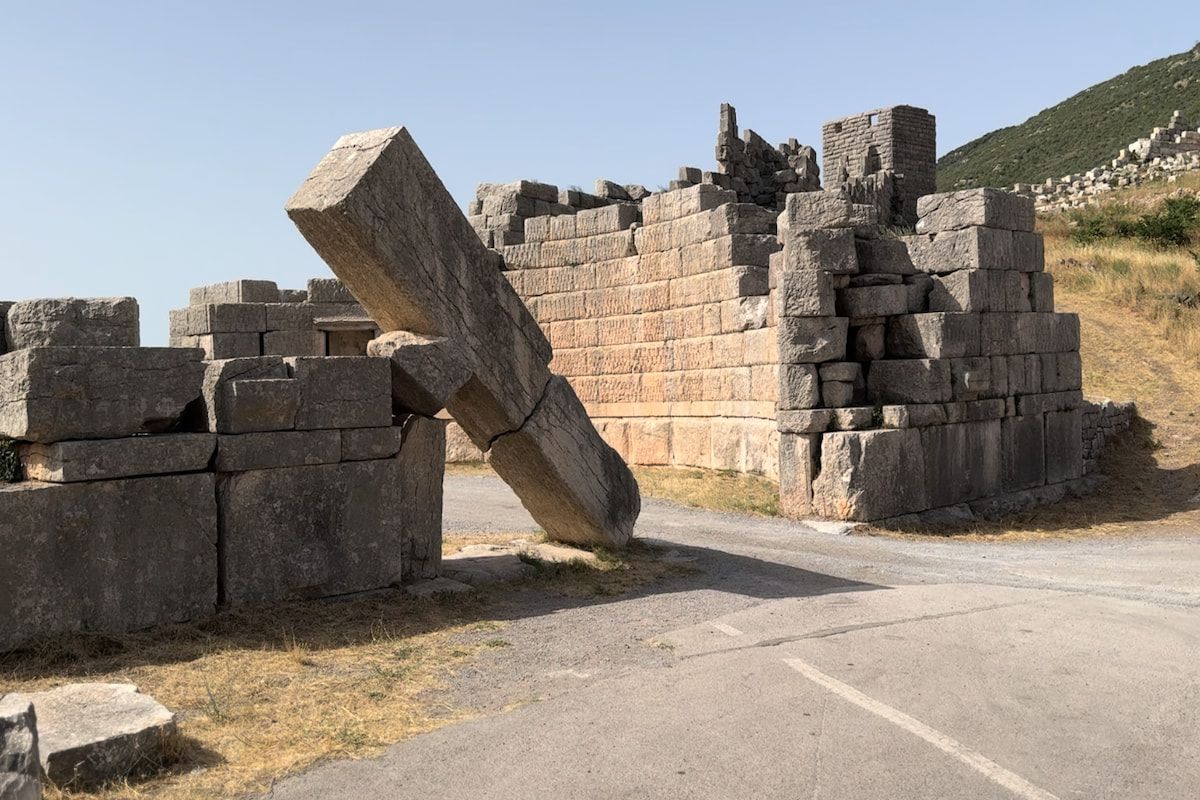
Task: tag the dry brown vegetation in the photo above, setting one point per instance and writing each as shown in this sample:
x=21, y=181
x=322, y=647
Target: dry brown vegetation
x=264, y=693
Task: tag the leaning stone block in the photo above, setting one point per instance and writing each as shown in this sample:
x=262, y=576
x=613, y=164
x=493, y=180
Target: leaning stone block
x=48, y=394
x=810, y=340
x=426, y=370
x=73, y=322
x=106, y=459
x=422, y=464
x=417, y=265
x=366, y=444
x=142, y=552
x=910, y=380
x=277, y=449
x=90, y=734
x=867, y=475
x=565, y=474
x=243, y=291
x=20, y=768
x=345, y=392
x=992, y=208
x=306, y=532
x=936, y=335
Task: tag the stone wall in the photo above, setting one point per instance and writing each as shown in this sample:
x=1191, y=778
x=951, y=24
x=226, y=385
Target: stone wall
x=658, y=315
x=245, y=318
x=924, y=371
x=157, y=486
x=901, y=140
x=1103, y=420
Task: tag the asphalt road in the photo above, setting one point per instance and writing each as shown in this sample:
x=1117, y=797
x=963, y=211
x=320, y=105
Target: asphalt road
x=798, y=664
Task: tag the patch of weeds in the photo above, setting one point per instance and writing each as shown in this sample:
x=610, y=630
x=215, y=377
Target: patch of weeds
x=10, y=465
x=349, y=737
x=495, y=643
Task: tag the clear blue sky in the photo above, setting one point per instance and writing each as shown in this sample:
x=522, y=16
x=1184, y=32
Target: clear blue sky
x=149, y=147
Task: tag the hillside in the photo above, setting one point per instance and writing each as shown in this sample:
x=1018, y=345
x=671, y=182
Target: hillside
x=1084, y=131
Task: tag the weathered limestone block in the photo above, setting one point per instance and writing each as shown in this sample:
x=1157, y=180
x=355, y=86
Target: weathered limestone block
x=806, y=293
x=1041, y=292
x=379, y=216
x=962, y=461
x=883, y=256
x=563, y=492
x=665, y=206
x=422, y=465
x=48, y=394
x=347, y=392
x=243, y=291
x=1023, y=452
x=290, y=316
x=329, y=290
x=293, y=343
x=806, y=211
x=219, y=318
x=367, y=444
x=303, y=532
x=142, y=551
x=910, y=380
x=831, y=250
x=970, y=248
x=868, y=475
x=106, y=459
x=220, y=373
x=979, y=290
x=426, y=370
x=812, y=420
x=935, y=335
x=1064, y=445
x=73, y=322
x=810, y=340
x=222, y=345
x=91, y=733
x=798, y=386
x=20, y=768
x=797, y=469
x=992, y=208
x=276, y=449
x=262, y=404
x=873, y=301
x=1029, y=251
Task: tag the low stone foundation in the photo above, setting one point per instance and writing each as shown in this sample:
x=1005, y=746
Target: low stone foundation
x=157, y=486
x=1102, y=420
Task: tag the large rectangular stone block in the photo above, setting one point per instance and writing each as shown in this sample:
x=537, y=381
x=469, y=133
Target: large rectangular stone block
x=344, y=392
x=222, y=345
x=276, y=449
x=219, y=373
x=243, y=291
x=304, y=532
x=73, y=322
x=868, y=475
x=810, y=340
x=883, y=256
x=224, y=318
x=830, y=250
x=935, y=335
x=909, y=380
x=806, y=293
x=107, y=459
x=1023, y=451
x=106, y=556
x=1064, y=445
x=979, y=290
x=970, y=248
x=422, y=466
x=992, y=208
x=49, y=394
x=797, y=469
x=962, y=461
x=294, y=343
x=873, y=301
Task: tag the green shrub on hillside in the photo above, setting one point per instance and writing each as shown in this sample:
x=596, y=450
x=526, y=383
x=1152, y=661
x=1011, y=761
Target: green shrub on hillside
x=1172, y=224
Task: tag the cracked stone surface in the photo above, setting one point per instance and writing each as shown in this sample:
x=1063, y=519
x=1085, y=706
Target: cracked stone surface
x=377, y=213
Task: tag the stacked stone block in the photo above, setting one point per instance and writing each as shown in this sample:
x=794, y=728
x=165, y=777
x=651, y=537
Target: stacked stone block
x=758, y=172
x=922, y=371
x=157, y=486
x=499, y=211
x=1102, y=421
x=658, y=315
x=246, y=318
x=900, y=139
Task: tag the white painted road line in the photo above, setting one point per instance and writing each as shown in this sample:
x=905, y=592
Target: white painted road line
x=728, y=630
x=1011, y=781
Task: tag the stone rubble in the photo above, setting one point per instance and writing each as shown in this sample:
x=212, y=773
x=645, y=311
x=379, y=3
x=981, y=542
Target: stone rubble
x=20, y=765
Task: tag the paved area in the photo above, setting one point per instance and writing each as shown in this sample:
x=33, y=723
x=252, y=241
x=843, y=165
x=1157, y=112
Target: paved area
x=797, y=664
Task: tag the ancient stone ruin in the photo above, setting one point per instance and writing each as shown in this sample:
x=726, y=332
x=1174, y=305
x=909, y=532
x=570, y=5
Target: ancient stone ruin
x=159, y=486
x=1165, y=154
x=746, y=320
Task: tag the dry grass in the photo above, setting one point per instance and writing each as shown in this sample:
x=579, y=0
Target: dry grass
x=265, y=693
x=716, y=490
